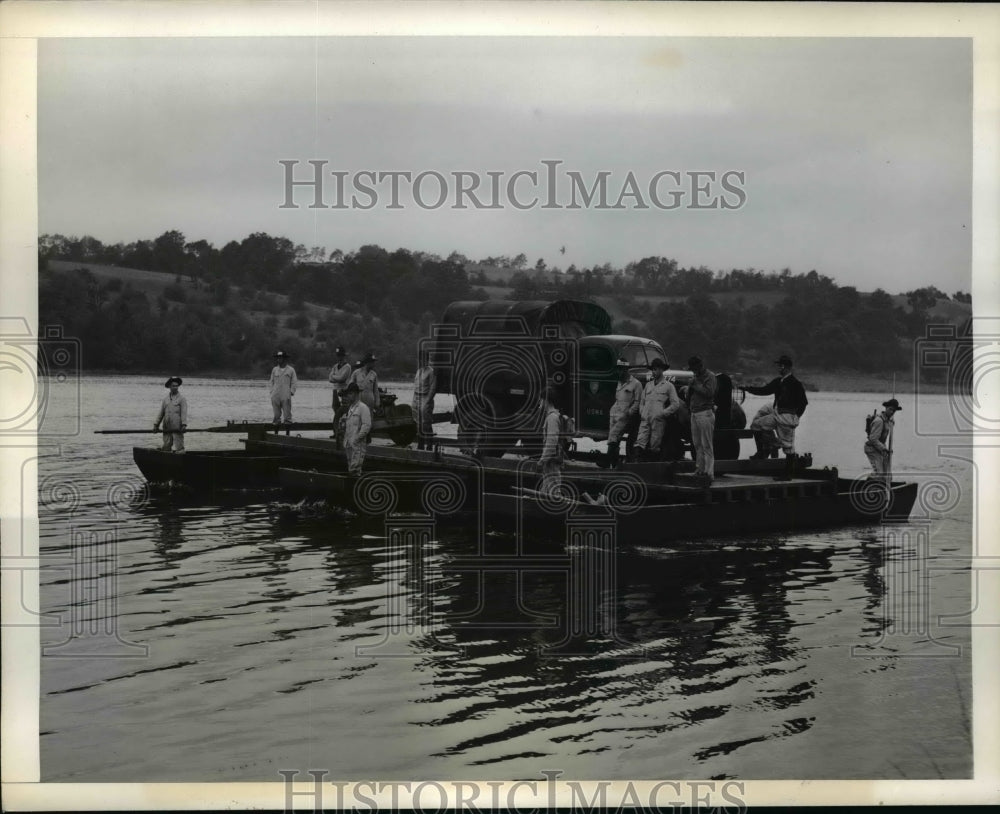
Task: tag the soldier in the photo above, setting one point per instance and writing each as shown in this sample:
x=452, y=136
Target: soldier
x=357, y=425
x=340, y=376
x=623, y=418
x=174, y=415
x=283, y=382
x=552, y=452
x=367, y=381
x=659, y=402
x=424, y=385
x=877, y=449
x=701, y=403
x=780, y=418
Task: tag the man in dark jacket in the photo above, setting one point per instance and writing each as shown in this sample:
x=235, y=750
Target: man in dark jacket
x=774, y=425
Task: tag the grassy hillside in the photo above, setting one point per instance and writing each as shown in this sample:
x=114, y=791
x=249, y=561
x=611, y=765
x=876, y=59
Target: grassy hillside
x=239, y=327
x=269, y=308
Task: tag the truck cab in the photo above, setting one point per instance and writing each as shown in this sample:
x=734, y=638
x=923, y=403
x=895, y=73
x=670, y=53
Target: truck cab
x=598, y=375
x=497, y=357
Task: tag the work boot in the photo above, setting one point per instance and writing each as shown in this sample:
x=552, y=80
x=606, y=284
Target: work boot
x=613, y=456
x=761, y=453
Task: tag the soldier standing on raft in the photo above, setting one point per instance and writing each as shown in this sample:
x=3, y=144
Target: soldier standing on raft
x=659, y=402
x=283, y=382
x=552, y=452
x=878, y=446
x=780, y=418
x=623, y=418
x=424, y=386
x=357, y=425
x=367, y=381
x=701, y=403
x=340, y=376
x=174, y=415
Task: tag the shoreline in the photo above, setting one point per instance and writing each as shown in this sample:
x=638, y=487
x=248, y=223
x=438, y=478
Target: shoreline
x=839, y=381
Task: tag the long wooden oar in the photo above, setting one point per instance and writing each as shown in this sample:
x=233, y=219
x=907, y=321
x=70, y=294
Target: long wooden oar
x=232, y=426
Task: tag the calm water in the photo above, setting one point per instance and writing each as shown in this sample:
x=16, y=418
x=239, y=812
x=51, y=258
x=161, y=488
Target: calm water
x=221, y=642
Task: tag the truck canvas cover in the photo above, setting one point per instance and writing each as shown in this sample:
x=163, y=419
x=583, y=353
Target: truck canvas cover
x=573, y=317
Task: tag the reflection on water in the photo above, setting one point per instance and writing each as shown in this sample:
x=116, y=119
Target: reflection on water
x=250, y=637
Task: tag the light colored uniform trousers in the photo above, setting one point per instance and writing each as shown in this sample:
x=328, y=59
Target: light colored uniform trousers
x=551, y=459
x=879, y=460
x=702, y=431
x=173, y=414
x=768, y=420
x=357, y=425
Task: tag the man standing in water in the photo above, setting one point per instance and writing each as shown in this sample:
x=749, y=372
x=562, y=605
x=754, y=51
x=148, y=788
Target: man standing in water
x=283, y=382
x=878, y=446
x=174, y=415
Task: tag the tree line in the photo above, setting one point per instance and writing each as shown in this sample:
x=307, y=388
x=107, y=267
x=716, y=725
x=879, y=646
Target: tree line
x=228, y=309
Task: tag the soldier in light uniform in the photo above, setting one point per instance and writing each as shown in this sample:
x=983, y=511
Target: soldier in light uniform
x=173, y=415
x=701, y=404
x=877, y=445
x=367, y=381
x=552, y=452
x=424, y=386
x=659, y=402
x=623, y=418
x=340, y=377
x=283, y=382
x=357, y=425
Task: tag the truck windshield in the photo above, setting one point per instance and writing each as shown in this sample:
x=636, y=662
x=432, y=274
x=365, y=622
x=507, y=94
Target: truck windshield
x=635, y=355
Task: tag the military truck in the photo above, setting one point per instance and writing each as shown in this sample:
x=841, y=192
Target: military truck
x=497, y=357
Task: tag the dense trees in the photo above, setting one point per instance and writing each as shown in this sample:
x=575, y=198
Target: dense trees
x=227, y=308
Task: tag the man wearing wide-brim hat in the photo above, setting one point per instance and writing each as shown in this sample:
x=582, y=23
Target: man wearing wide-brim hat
x=357, y=427
x=659, y=402
x=366, y=379
x=878, y=446
x=340, y=377
x=282, y=383
x=623, y=418
x=173, y=415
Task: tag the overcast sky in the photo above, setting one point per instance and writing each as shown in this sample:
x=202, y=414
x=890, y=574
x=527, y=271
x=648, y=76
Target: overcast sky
x=855, y=153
